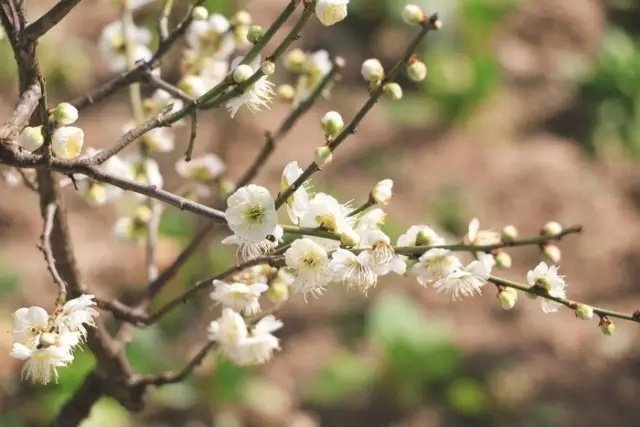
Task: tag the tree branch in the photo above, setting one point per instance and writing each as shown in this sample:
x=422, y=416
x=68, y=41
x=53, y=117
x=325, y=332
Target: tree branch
x=45, y=247
x=176, y=377
x=49, y=19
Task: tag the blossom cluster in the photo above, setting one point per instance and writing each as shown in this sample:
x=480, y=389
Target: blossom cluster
x=46, y=341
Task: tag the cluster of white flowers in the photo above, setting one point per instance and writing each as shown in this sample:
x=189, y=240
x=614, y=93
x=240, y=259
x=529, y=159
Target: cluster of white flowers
x=46, y=342
x=66, y=141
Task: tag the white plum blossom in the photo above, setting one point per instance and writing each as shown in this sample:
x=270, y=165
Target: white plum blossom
x=228, y=330
x=258, y=347
x=159, y=139
x=353, y=270
x=67, y=141
x=420, y=235
x=382, y=192
x=476, y=236
x=42, y=361
x=213, y=36
x=251, y=215
x=370, y=220
x=435, y=265
x=28, y=324
x=330, y=12
x=383, y=257
x=316, y=66
x=326, y=212
x=464, y=282
x=298, y=202
x=113, y=45
x=547, y=278
x=205, y=168
x=76, y=315
x=239, y=296
x=255, y=97
x=309, y=263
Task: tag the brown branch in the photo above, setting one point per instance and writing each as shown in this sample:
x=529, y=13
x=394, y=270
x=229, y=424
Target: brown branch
x=78, y=407
x=49, y=19
x=45, y=247
x=174, y=91
x=192, y=136
x=21, y=114
x=176, y=377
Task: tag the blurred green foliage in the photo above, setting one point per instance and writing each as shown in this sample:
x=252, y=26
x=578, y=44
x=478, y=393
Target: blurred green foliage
x=610, y=96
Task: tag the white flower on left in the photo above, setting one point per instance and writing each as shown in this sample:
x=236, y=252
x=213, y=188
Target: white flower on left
x=251, y=215
x=45, y=342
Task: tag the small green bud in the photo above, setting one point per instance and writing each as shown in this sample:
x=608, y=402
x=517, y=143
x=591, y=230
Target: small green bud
x=295, y=61
x=242, y=73
x=255, y=33
x=332, y=124
x=31, y=138
x=268, y=68
x=507, y=298
x=503, y=260
x=285, y=93
x=417, y=71
x=372, y=70
x=584, y=312
x=323, y=155
x=552, y=228
x=552, y=253
x=509, y=233
x=65, y=114
x=278, y=291
x=200, y=13
x=413, y=14
x=393, y=91
x=607, y=326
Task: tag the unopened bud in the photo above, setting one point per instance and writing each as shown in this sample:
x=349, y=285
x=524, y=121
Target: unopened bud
x=242, y=17
x=285, y=93
x=323, y=155
x=551, y=229
x=584, y=312
x=31, y=138
x=507, y=298
x=278, y=291
x=503, y=260
x=552, y=253
x=200, y=13
x=242, y=73
x=413, y=14
x=382, y=192
x=607, y=326
x=372, y=70
x=295, y=61
x=268, y=68
x=255, y=33
x=509, y=233
x=67, y=141
x=417, y=71
x=65, y=114
x=393, y=91
x=332, y=123
x=350, y=238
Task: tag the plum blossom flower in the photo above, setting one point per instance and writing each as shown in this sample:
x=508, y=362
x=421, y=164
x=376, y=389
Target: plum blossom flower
x=113, y=45
x=251, y=215
x=258, y=347
x=476, y=236
x=420, y=235
x=205, y=169
x=330, y=12
x=547, y=278
x=298, y=202
x=309, y=263
x=383, y=257
x=464, y=282
x=255, y=97
x=382, y=192
x=353, y=270
x=239, y=296
x=43, y=360
x=67, y=141
x=228, y=330
x=435, y=265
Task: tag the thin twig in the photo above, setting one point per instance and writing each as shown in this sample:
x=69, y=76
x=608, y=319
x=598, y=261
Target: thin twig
x=176, y=377
x=49, y=19
x=174, y=91
x=192, y=136
x=163, y=21
x=45, y=247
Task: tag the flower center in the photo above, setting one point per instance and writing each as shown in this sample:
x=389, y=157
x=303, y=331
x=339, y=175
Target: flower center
x=254, y=214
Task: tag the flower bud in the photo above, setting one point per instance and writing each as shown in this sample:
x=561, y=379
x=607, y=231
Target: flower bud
x=507, y=298
x=382, y=192
x=607, y=326
x=350, y=238
x=67, y=141
x=393, y=91
x=323, y=155
x=509, y=233
x=503, y=260
x=278, y=291
x=332, y=124
x=552, y=253
x=226, y=187
x=242, y=17
x=551, y=229
x=584, y=312
x=413, y=14
x=255, y=33
x=242, y=73
x=31, y=138
x=285, y=93
x=372, y=70
x=65, y=114
x=417, y=71
x=330, y=12
x=268, y=68
x=200, y=13
x=295, y=60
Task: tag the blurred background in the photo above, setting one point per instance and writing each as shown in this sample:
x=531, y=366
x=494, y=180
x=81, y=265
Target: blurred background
x=530, y=113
